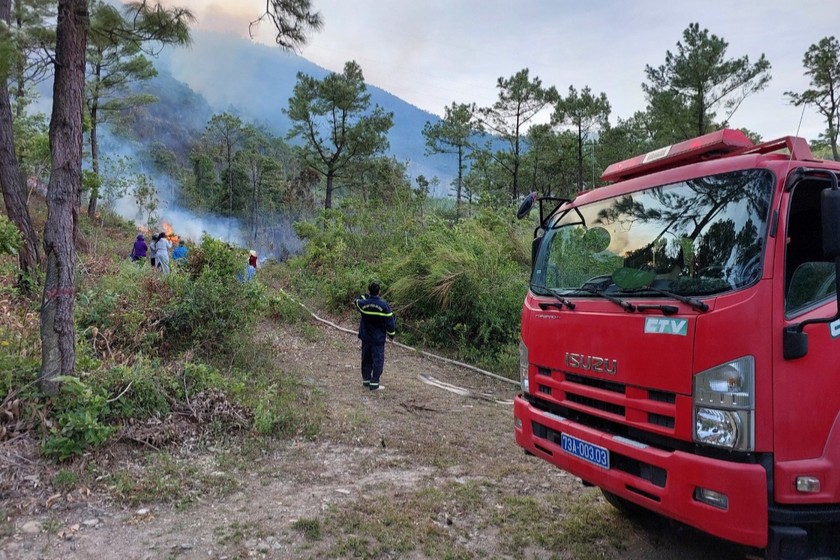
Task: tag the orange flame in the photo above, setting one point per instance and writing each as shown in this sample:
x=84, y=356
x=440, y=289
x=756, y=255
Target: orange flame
x=170, y=233
x=167, y=229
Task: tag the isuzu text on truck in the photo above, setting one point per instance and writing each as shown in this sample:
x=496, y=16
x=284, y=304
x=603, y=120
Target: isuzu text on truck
x=681, y=340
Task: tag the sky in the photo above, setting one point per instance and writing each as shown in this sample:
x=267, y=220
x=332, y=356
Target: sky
x=432, y=53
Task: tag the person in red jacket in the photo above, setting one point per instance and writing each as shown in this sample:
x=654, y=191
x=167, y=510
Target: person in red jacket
x=377, y=322
x=251, y=271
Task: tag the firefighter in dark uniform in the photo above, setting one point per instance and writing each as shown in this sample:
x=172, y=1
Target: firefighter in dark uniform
x=376, y=323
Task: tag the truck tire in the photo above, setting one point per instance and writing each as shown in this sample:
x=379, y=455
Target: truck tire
x=626, y=507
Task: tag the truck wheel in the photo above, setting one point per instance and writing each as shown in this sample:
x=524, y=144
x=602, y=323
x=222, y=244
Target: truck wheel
x=626, y=507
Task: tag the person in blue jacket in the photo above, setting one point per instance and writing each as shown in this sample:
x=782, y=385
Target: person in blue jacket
x=377, y=322
x=179, y=255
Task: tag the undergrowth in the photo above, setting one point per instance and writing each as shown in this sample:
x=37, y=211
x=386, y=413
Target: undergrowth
x=147, y=345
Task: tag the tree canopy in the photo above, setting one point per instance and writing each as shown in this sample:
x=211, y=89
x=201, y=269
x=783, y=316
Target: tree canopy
x=334, y=118
x=686, y=93
x=520, y=100
x=822, y=64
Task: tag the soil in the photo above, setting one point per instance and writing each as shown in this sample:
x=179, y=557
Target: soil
x=433, y=424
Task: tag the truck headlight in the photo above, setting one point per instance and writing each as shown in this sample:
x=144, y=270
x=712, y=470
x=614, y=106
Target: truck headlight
x=724, y=405
x=523, y=367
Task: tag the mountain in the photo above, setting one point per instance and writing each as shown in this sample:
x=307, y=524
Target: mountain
x=255, y=82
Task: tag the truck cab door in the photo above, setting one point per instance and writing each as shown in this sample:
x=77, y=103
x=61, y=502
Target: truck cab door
x=806, y=401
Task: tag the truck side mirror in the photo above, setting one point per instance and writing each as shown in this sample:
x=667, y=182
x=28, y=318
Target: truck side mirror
x=794, y=343
x=525, y=207
x=831, y=223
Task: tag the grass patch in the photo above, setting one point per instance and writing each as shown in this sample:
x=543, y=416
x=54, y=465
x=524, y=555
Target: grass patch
x=237, y=532
x=309, y=528
x=167, y=479
x=474, y=520
x=65, y=480
x=7, y=526
x=428, y=521
x=581, y=525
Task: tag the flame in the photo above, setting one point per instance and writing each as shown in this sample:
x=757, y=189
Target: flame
x=166, y=228
x=170, y=233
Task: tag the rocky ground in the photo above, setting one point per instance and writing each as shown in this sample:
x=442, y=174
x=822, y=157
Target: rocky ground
x=435, y=427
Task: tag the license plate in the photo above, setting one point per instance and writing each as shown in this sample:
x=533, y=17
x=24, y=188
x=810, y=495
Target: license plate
x=590, y=452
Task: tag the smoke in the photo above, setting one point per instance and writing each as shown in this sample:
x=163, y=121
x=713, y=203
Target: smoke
x=128, y=161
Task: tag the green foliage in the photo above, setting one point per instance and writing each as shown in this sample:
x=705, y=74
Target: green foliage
x=123, y=309
x=586, y=115
x=466, y=279
x=146, y=198
x=65, y=480
x=443, y=286
x=165, y=478
x=216, y=259
x=32, y=144
x=77, y=420
x=208, y=313
x=336, y=253
x=521, y=99
x=20, y=356
x=141, y=391
x=822, y=65
x=333, y=118
x=687, y=91
x=284, y=407
x=281, y=307
x=137, y=311
x=10, y=238
x=310, y=528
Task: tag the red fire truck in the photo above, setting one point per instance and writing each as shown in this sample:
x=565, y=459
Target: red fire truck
x=681, y=340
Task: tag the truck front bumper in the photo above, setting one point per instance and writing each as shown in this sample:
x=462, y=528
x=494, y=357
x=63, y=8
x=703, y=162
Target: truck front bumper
x=666, y=482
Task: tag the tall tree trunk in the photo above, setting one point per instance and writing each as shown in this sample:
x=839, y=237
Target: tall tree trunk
x=580, y=159
x=328, y=194
x=58, y=353
x=94, y=157
x=19, y=64
x=12, y=182
x=460, y=183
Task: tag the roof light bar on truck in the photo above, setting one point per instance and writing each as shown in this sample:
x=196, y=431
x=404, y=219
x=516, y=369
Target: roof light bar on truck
x=708, y=146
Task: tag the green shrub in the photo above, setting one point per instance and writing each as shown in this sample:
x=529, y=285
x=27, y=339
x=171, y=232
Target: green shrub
x=208, y=312
x=76, y=421
x=140, y=391
x=123, y=310
x=65, y=480
x=10, y=237
x=282, y=307
x=462, y=286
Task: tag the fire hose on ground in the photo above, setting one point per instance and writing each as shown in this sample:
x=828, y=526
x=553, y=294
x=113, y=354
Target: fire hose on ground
x=425, y=378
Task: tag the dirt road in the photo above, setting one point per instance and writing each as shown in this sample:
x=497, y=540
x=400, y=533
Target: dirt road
x=414, y=471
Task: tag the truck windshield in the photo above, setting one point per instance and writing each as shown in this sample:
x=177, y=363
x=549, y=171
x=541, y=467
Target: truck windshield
x=691, y=238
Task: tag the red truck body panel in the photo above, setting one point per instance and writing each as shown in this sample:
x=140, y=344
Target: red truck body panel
x=595, y=367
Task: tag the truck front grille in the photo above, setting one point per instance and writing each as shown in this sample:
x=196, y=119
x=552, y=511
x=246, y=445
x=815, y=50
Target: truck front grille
x=651, y=410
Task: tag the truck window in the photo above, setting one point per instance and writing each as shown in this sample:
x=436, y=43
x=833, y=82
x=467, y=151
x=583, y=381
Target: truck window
x=699, y=237
x=809, y=278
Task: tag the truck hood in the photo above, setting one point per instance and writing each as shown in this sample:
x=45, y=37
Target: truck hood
x=598, y=339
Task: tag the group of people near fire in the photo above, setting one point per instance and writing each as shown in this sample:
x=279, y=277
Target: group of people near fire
x=157, y=251
x=376, y=323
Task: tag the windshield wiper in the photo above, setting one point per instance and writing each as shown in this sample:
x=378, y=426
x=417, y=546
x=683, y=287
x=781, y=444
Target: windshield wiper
x=629, y=307
x=694, y=303
x=563, y=301
x=665, y=309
